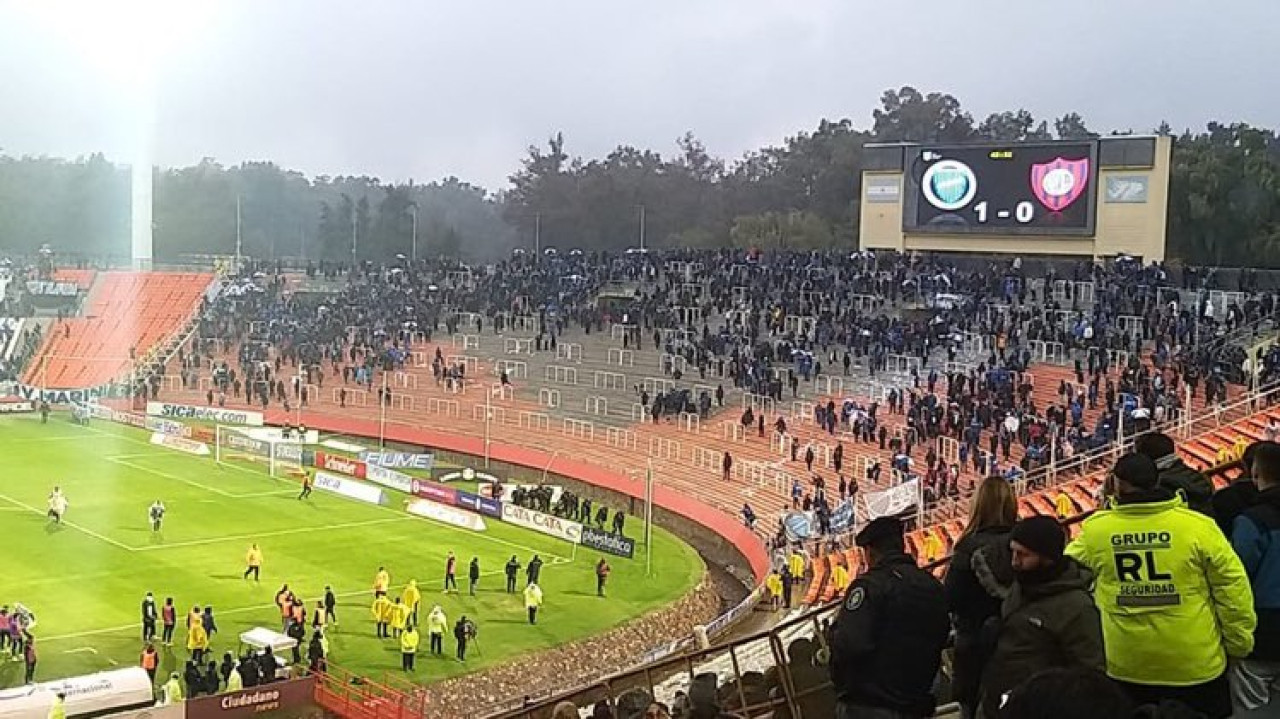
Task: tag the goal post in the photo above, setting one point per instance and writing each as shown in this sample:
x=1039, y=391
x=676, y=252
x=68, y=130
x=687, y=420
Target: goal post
x=260, y=446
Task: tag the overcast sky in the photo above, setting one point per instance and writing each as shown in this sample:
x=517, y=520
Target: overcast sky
x=417, y=89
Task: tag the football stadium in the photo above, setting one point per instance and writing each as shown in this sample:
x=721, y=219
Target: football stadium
x=945, y=416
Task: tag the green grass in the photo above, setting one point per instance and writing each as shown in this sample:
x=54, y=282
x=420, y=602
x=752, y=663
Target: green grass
x=86, y=578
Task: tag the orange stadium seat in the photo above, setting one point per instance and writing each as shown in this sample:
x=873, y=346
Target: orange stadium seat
x=130, y=311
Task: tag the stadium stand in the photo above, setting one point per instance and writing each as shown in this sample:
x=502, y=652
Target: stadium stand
x=575, y=390
x=131, y=313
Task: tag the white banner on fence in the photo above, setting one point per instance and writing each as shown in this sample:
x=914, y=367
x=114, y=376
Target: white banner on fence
x=389, y=478
x=212, y=414
x=182, y=444
x=892, y=501
x=468, y=474
x=539, y=522
x=448, y=515
x=349, y=488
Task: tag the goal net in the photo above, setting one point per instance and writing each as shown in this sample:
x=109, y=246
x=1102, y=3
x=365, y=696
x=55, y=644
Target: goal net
x=278, y=451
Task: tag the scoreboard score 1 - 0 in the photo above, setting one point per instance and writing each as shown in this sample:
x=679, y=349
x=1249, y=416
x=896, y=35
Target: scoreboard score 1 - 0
x=1016, y=189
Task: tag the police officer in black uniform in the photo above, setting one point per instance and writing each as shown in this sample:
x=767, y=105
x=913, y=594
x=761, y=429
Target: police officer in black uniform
x=886, y=643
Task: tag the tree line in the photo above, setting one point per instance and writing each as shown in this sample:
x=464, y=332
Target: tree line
x=1224, y=206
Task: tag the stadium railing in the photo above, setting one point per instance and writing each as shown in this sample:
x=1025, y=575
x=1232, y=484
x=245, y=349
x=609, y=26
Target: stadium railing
x=799, y=691
x=355, y=697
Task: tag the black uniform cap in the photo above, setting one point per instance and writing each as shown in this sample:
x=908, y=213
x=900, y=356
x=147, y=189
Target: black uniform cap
x=884, y=531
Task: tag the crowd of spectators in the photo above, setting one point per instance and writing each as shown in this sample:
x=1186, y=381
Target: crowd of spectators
x=770, y=324
x=963, y=407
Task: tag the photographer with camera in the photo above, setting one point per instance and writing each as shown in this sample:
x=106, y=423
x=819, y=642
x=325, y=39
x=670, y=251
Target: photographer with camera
x=464, y=631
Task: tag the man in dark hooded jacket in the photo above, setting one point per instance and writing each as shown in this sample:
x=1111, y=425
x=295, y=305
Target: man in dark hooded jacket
x=1049, y=619
x=1175, y=475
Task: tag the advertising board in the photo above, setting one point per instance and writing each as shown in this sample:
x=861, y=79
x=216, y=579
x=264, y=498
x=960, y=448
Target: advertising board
x=614, y=544
x=476, y=503
x=539, y=522
x=15, y=407
x=389, y=478
x=209, y=414
x=469, y=475
x=431, y=490
x=255, y=701
x=350, y=488
x=448, y=515
x=182, y=444
x=345, y=465
x=167, y=426
x=398, y=460
x=128, y=418
x=89, y=694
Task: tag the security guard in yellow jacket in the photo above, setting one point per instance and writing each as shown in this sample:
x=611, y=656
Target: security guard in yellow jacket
x=1174, y=597
x=408, y=647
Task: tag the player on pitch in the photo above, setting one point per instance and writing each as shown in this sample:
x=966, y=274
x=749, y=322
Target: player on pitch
x=156, y=514
x=57, y=505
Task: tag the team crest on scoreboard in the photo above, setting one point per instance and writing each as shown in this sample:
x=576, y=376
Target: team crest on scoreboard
x=1059, y=183
x=949, y=185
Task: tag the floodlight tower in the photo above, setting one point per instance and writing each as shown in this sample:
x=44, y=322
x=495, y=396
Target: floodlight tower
x=140, y=203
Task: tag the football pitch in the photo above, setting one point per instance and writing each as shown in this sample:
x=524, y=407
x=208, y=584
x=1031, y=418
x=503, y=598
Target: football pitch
x=85, y=579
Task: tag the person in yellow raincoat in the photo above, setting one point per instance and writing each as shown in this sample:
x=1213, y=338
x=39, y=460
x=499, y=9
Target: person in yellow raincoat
x=381, y=581
x=197, y=642
x=411, y=597
x=382, y=615
x=932, y=546
x=795, y=563
x=774, y=584
x=840, y=579
x=172, y=690
x=1062, y=505
x=399, y=616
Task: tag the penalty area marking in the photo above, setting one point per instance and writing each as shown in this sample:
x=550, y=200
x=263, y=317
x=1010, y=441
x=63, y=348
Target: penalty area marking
x=251, y=495
x=245, y=610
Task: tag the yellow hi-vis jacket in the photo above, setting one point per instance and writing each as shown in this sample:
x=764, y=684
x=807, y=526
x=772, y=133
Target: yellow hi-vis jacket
x=840, y=578
x=532, y=596
x=411, y=595
x=399, y=615
x=437, y=622
x=796, y=564
x=382, y=610
x=773, y=583
x=409, y=641
x=1174, y=597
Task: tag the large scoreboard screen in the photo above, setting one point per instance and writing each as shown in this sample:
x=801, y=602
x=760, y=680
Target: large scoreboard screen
x=1021, y=189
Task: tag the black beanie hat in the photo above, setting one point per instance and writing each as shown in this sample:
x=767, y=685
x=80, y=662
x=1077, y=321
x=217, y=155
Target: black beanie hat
x=1138, y=471
x=1042, y=535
